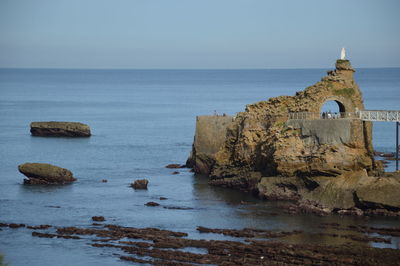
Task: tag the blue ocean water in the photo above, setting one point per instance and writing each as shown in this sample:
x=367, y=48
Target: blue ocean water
x=142, y=120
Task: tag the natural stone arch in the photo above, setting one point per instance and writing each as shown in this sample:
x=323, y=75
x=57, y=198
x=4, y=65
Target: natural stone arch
x=345, y=105
x=331, y=105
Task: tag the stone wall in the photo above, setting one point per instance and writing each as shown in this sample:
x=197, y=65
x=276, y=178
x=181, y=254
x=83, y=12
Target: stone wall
x=209, y=137
x=324, y=131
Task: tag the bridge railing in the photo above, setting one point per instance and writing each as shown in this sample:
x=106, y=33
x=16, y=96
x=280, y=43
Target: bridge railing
x=365, y=115
x=375, y=115
x=323, y=115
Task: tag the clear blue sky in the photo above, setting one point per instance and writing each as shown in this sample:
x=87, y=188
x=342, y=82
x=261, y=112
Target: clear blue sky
x=198, y=33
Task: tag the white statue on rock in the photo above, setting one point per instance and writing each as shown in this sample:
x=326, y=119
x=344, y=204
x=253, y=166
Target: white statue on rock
x=343, y=54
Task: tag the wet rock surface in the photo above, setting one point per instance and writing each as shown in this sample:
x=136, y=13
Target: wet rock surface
x=12, y=225
x=247, y=232
x=164, y=247
x=45, y=174
x=177, y=208
x=152, y=204
x=60, y=129
x=140, y=184
x=39, y=227
x=174, y=166
x=98, y=218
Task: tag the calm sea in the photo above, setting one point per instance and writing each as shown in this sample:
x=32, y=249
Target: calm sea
x=142, y=120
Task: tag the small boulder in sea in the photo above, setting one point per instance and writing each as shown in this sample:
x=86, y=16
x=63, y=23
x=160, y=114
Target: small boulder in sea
x=152, y=204
x=140, y=184
x=60, y=129
x=45, y=174
x=98, y=218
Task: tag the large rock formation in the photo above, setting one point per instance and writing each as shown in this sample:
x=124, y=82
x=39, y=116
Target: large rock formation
x=60, y=129
x=301, y=157
x=45, y=174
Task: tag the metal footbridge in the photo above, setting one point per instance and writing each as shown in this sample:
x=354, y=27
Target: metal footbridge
x=379, y=115
x=365, y=115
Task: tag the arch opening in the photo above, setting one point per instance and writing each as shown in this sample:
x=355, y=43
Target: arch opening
x=332, y=109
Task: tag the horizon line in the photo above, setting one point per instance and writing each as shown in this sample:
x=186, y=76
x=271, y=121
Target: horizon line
x=104, y=68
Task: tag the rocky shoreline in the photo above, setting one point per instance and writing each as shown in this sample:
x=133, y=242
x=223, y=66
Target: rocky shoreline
x=249, y=247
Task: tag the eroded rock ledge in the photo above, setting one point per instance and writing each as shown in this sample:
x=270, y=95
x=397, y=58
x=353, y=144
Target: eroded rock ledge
x=326, y=164
x=60, y=129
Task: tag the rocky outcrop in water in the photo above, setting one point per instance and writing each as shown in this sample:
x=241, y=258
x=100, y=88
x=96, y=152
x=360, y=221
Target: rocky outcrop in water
x=263, y=139
x=327, y=164
x=45, y=174
x=140, y=184
x=60, y=129
x=355, y=193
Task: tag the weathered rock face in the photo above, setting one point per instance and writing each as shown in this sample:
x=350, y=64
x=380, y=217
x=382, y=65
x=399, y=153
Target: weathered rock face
x=60, y=129
x=45, y=174
x=263, y=139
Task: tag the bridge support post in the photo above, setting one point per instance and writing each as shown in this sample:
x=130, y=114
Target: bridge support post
x=397, y=145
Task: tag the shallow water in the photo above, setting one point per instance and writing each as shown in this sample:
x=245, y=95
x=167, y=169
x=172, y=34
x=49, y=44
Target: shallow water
x=142, y=120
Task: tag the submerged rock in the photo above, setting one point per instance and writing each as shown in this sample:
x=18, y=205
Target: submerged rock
x=60, y=129
x=140, y=184
x=45, y=174
x=152, y=204
x=174, y=165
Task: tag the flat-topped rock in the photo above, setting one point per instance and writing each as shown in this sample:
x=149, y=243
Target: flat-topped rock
x=60, y=129
x=45, y=174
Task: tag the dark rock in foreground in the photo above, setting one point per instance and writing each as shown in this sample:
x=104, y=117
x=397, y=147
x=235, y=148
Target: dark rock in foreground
x=45, y=174
x=60, y=129
x=140, y=184
x=164, y=247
